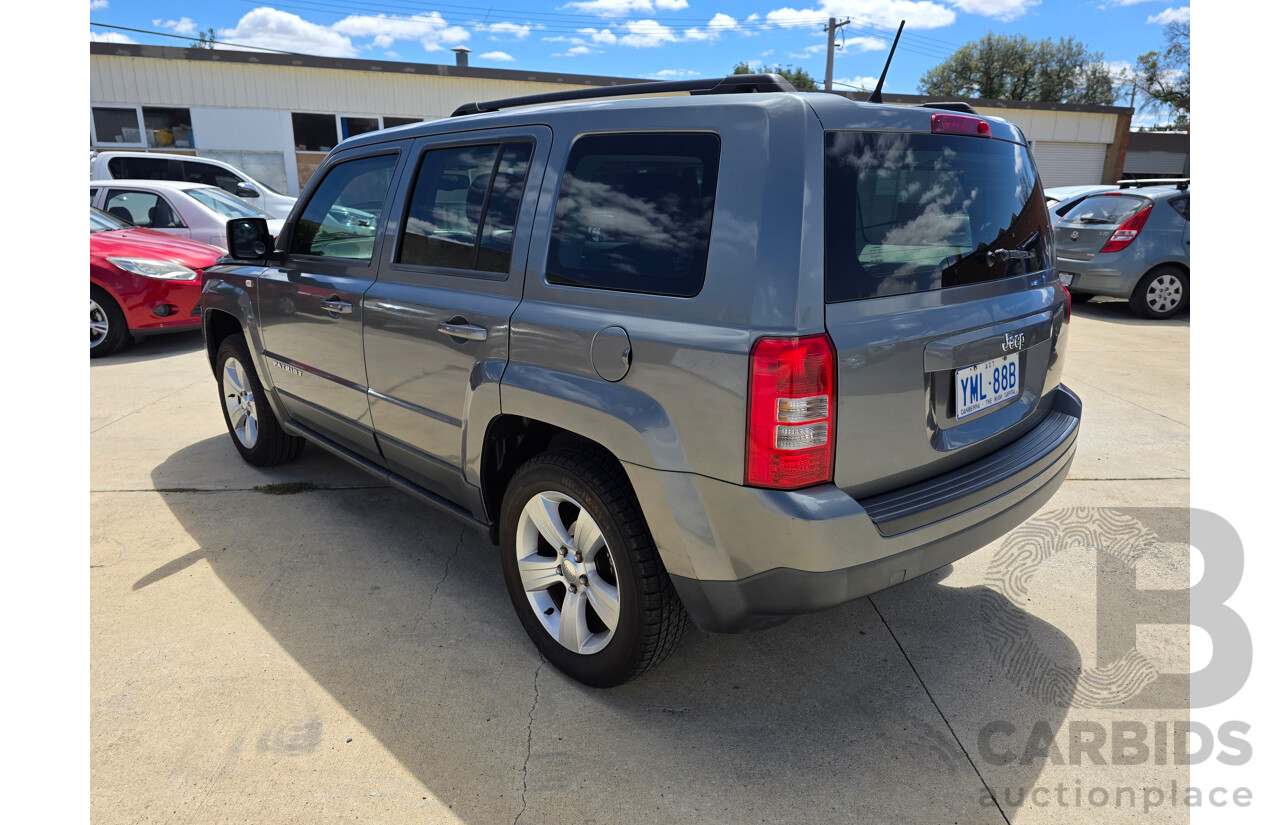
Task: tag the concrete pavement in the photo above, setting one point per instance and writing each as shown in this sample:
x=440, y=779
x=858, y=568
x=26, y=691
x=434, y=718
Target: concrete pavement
x=348, y=654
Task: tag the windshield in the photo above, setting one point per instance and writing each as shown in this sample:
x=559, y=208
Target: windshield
x=228, y=206
x=911, y=212
x=1107, y=210
x=100, y=221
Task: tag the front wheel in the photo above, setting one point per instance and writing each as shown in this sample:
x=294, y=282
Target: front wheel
x=108, y=330
x=582, y=571
x=254, y=428
x=1161, y=293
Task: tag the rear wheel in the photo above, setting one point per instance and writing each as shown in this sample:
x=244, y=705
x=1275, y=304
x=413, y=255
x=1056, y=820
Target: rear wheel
x=1161, y=293
x=108, y=331
x=254, y=428
x=582, y=570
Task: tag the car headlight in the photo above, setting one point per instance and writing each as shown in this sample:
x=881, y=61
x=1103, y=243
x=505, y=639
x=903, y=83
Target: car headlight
x=150, y=268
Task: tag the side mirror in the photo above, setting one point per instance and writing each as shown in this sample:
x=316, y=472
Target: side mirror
x=244, y=190
x=248, y=238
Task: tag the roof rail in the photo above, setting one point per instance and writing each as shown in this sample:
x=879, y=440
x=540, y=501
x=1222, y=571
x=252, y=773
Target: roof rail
x=957, y=106
x=733, y=84
x=1138, y=183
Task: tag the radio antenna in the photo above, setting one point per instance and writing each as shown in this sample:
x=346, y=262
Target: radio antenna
x=875, y=96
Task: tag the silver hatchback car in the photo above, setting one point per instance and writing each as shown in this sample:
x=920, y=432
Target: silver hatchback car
x=1133, y=242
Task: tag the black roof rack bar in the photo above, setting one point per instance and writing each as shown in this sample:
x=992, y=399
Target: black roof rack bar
x=1138, y=183
x=733, y=84
x=957, y=106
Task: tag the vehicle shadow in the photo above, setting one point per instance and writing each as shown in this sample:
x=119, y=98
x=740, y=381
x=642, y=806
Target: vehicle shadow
x=401, y=615
x=154, y=346
x=1117, y=311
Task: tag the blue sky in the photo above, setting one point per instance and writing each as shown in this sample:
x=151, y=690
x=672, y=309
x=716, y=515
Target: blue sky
x=646, y=38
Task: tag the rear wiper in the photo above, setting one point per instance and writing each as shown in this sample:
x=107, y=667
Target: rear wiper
x=1001, y=255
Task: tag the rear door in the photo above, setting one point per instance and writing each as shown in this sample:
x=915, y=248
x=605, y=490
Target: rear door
x=311, y=308
x=941, y=301
x=437, y=320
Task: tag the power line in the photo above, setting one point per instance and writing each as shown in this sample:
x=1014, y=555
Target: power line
x=190, y=39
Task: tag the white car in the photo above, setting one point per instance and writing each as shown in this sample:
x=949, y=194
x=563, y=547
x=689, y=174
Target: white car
x=190, y=210
x=156, y=166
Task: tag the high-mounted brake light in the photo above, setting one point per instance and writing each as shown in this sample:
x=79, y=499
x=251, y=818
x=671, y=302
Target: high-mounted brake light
x=1124, y=235
x=791, y=413
x=960, y=125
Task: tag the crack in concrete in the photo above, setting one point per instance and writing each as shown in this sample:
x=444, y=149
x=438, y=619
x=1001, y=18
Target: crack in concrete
x=432, y=598
x=1131, y=402
x=151, y=404
x=528, y=748
x=941, y=715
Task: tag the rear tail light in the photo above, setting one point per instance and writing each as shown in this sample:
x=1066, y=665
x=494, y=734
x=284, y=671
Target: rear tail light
x=960, y=125
x=1124, y=235
x=1067, y=293
x=791, y=413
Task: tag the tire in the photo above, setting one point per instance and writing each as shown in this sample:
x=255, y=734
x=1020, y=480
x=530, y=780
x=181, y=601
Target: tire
x=627, y=581
x=1080, y=297
x=108, y=330
x=250, y=420
x=1161, y=293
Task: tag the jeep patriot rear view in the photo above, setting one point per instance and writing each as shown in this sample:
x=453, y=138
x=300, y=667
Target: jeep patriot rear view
x=717, y=358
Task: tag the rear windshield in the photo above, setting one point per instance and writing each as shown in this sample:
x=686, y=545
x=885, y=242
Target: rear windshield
x=918, y=212
x=1105, y=210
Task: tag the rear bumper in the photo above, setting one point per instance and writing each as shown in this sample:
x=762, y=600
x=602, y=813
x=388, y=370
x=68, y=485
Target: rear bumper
x=1101, y=277
x=787, y=553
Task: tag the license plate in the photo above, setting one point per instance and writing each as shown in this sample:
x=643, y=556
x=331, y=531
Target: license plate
x=985, y=385
x=1066, y=278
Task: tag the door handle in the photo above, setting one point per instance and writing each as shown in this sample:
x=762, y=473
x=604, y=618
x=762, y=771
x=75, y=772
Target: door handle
x=336, y=306
x=469, y=332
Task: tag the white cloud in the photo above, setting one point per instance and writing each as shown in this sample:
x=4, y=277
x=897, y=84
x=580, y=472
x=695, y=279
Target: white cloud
x=577, y=51
x=273, y=29
x=110, y=37
x=99, y=4
x=1171, y=15
x=919, y=14
x=431, y=30
x=864, y=44
x=999, y=9
x=622, y=8
x=184, y=26
x=673, y=74
x=501, y=57
x=604, y=36
x=853, y=84
x=808, y=51
x=646, y=34
x=519, y=32
x=722, y=22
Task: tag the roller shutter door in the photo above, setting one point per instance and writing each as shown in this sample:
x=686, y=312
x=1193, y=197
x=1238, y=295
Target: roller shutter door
x=1070, y=164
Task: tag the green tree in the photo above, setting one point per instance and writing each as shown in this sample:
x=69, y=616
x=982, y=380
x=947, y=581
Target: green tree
x=207, y=39
x=796, y=76
x=1164, y=76
x=1013, y=67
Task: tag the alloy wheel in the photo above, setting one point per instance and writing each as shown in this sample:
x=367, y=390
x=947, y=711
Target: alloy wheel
x=242, y=409
x=98, y=324
x=567, y=572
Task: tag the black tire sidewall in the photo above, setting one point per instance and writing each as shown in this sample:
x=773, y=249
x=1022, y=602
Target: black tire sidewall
x=617, y=661
x=264, y=451
x=117, y=327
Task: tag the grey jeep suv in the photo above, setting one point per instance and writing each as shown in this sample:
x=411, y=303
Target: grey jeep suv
x=725, y=357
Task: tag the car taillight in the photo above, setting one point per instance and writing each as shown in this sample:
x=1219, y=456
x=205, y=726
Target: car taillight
x=792, y=412
x=959, y=125
x=1067, y=293
x=1124, y=235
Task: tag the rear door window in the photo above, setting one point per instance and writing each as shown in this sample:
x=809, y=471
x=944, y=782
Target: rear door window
x=909, y=212
x=1182, y=206
x=210, y=175
x=1105, y=210
x=140, y=167
x=634, y=213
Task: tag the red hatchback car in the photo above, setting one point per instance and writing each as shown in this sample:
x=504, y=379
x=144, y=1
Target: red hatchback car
x=141, y=282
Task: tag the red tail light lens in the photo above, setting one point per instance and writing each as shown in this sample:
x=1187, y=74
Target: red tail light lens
x=1128, y=230
x=792, y=414
x=1067, y=293
x=960, y=125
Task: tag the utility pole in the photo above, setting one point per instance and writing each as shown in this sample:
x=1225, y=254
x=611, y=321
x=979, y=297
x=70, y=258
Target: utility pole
x=830, y=29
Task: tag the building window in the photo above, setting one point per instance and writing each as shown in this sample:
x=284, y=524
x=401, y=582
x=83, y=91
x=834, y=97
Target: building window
x=116, y=125
x=388, y=122
x=167, y=127
x=352, y=126
x=314, y=133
